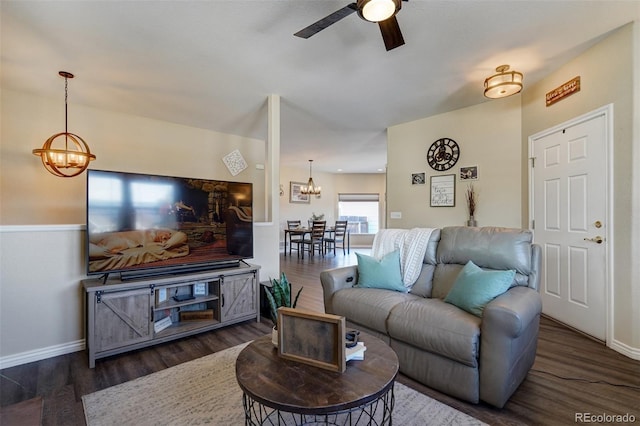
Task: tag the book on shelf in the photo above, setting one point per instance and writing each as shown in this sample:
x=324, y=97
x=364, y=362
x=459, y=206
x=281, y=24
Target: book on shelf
x=205, y=314
x=356, y=352
x=160, y=325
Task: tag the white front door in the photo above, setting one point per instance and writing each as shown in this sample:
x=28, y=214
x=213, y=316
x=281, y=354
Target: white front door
x=569, y=207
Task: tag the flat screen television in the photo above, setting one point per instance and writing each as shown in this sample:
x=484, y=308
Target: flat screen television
x=139, y=225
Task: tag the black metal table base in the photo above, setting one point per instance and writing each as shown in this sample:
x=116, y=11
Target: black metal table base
x=374, y=413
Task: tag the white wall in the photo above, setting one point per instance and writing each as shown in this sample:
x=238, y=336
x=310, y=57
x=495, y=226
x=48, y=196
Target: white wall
x=488, y=135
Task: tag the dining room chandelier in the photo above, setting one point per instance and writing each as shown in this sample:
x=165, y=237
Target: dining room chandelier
x=311, y=187
x=65, y=154
x=504, y=83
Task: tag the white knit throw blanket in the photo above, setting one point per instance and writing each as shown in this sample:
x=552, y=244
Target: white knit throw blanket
x=412, y=244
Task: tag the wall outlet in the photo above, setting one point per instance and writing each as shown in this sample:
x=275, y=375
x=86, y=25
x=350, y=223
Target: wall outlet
x=396, y=215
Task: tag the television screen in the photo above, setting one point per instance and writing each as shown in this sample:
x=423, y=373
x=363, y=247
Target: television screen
x=147, y=224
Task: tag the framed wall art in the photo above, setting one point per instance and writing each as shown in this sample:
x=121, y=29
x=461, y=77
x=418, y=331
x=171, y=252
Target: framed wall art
x=469, y=173
x=443, y=191
x=417, y=179
x=296, y=195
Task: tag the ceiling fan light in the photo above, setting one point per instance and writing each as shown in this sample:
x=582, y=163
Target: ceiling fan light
x=504, y=83
x=378, y=10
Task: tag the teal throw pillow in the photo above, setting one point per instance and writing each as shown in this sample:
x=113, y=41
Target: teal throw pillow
x=384, y=273
x=474, y=288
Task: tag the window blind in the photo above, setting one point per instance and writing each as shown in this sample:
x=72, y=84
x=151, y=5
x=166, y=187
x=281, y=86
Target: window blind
x=358, y=197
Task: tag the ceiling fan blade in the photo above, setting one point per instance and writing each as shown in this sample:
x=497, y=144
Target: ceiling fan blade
x=316, y=27
x=391, y=33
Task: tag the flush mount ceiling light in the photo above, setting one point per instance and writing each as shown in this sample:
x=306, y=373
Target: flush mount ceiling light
x=378, y=10
x=311, y=188
x=504, y=83
x=65, y=154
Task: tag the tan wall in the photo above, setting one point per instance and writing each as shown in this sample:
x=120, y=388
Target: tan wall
x=607, y=76
x=42, y=216
x=332, y=185
x=488, y=135
x=31, y=195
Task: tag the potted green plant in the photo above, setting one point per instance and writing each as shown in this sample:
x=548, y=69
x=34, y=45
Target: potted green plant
x=279, y=295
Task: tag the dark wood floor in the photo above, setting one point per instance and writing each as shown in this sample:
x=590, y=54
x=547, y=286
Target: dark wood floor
x=572, y=373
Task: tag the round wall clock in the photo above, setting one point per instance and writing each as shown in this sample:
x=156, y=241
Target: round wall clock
x=443, y=154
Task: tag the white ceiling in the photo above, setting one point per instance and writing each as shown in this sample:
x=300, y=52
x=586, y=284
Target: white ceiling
x=212, y=64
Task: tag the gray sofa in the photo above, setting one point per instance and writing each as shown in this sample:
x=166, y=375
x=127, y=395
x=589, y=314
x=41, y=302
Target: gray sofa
x=438, y=344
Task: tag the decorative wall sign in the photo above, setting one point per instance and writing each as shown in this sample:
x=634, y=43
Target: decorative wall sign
x=567, y=89
x=469, y=173
x=443, y=191
x=234, y=162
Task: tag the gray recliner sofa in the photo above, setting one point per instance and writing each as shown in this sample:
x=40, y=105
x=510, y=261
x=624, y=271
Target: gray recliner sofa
x=438, y=344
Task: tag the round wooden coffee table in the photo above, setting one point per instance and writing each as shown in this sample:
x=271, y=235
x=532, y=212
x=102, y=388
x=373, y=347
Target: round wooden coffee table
x=281, y=391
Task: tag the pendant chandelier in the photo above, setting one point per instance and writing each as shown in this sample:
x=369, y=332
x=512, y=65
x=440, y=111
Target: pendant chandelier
x=504, y=83
x=311, y=187
x=65, y=154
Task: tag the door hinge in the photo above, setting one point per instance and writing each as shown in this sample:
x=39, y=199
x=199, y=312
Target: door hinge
x=533, y=162
x=98, y=297
x=533, y=224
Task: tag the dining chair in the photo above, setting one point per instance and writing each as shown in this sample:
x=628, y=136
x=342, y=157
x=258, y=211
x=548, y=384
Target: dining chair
x=294, y=224
x=314, y=239
x=336, y=237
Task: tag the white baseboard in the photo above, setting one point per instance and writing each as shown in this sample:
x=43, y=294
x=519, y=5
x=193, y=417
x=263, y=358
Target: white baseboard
x=40, y=354
x=626, y=350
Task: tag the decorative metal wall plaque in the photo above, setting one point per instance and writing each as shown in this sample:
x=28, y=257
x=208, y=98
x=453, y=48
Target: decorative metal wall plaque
x=569, y=88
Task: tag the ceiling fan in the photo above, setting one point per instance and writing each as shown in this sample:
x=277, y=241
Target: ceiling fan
x=381, y=11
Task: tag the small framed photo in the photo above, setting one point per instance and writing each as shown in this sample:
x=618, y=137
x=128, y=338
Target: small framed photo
x=417, y=179
x=469, y=173
x=312, y=338
x=200, y=289
x=296, y=195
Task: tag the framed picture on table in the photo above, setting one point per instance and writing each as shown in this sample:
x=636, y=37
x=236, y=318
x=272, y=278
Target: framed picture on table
x=312, y=338
x=296, y=195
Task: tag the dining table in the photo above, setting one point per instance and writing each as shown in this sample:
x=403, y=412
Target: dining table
x=302, y=231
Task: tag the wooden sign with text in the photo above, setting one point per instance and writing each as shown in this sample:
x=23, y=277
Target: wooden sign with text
x=569, y=88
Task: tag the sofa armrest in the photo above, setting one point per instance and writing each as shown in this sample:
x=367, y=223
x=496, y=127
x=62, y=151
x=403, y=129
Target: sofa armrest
x=536, y=265
x=511, y=313
x=333, y=280
x=509, y=339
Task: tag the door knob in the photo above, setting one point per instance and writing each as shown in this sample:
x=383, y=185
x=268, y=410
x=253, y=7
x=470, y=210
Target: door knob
x=597, y=239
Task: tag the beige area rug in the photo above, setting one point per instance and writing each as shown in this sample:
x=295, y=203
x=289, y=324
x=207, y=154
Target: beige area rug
x=205, y=391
